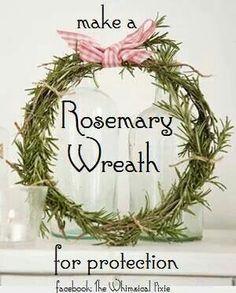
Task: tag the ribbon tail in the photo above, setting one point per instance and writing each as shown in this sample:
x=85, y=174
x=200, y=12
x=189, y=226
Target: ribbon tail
x=141, y=57
x=90, y=53
x=142, y=34
x=136, y=56
x=73, y=39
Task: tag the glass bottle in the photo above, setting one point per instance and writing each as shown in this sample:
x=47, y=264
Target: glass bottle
x=4, y=144
x=94, y=189
x=163, y=149
x=4, y=179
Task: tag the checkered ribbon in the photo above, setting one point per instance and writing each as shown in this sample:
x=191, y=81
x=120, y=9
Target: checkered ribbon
x=126, y=50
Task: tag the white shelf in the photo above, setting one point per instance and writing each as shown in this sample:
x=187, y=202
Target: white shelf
x=215, y=255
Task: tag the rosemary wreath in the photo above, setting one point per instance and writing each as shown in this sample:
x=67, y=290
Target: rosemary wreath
x=203, y=138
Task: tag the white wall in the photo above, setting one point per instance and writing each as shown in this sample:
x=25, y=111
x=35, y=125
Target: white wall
x=206, y=27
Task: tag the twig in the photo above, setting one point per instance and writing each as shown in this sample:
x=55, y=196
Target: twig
x=142, y=228
x=193, y=69
x=197, y=158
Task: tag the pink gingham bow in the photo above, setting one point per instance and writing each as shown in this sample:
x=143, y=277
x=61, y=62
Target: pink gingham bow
x=112, y=56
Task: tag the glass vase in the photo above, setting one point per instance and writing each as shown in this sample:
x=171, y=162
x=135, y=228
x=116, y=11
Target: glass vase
x=22, y=212
x=90, y=186
x=163, y=150
x=4, y=144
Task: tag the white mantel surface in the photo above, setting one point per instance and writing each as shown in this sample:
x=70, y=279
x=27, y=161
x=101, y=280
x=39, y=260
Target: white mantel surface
x=215, y=255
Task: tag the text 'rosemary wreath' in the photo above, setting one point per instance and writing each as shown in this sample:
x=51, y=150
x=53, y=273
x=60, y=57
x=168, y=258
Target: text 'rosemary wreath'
x=202, y=140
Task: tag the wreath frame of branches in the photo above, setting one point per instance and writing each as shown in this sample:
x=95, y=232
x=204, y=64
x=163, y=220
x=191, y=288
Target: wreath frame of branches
x=203, y=138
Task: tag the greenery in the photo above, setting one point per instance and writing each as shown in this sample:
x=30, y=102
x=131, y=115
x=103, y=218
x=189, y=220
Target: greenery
x=203, y=138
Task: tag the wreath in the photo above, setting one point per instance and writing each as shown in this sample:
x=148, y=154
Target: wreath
x=203, y=138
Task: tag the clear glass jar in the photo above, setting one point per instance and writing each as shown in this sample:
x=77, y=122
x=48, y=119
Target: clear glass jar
x=21, y=215
x=4, y=145
x=163, y=150
x=94, y=189
x=4, y=179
